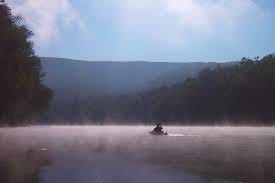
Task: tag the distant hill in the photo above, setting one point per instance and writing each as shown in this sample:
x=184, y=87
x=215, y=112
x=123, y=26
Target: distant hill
x=75, y=78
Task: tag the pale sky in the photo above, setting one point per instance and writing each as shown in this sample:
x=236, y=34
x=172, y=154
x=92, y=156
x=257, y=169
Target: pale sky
x=151, y=30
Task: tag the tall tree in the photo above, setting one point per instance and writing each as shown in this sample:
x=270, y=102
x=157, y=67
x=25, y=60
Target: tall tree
x=22, y=94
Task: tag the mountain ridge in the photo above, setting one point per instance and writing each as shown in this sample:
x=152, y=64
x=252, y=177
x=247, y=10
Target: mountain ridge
x=80, y=78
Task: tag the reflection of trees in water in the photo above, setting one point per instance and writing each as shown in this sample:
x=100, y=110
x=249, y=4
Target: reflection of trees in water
x=233, y=158
x=240, y=162
x=236, y=159
x=243, y=158
x=25, y=167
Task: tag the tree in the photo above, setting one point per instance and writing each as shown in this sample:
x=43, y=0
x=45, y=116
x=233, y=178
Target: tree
x=22, y=93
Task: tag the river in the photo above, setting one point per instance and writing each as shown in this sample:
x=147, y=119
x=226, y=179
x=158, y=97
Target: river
x=117, y=154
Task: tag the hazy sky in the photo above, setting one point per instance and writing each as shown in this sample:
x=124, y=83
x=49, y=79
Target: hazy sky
x=153, y=30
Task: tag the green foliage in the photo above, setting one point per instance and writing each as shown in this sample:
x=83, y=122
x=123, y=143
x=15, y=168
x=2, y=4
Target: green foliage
x=243, y=92
x=22, y=94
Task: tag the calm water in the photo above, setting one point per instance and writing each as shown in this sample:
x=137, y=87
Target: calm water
x=89, y=154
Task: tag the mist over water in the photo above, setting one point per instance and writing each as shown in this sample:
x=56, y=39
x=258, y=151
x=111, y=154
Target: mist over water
x=129, y=154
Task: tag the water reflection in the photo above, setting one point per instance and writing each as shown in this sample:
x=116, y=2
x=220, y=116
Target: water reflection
x=22, y=167
x=129, y=154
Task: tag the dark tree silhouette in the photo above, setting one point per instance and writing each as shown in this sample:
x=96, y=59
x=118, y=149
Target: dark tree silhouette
x=22, y=94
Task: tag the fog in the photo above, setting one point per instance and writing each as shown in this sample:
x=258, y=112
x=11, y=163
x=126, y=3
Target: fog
x=129, y=154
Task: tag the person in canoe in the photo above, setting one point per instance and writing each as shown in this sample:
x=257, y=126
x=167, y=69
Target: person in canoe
x=158, y=130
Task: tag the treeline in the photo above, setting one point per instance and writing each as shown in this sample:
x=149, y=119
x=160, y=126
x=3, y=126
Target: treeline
x=242, y=92
x=22, y=94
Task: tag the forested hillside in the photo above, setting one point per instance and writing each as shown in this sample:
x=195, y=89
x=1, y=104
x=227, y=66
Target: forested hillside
x=76, y=78
x=75, y=82
x=235, y=93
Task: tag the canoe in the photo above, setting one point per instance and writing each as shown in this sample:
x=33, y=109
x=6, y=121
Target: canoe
x=155, y=133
